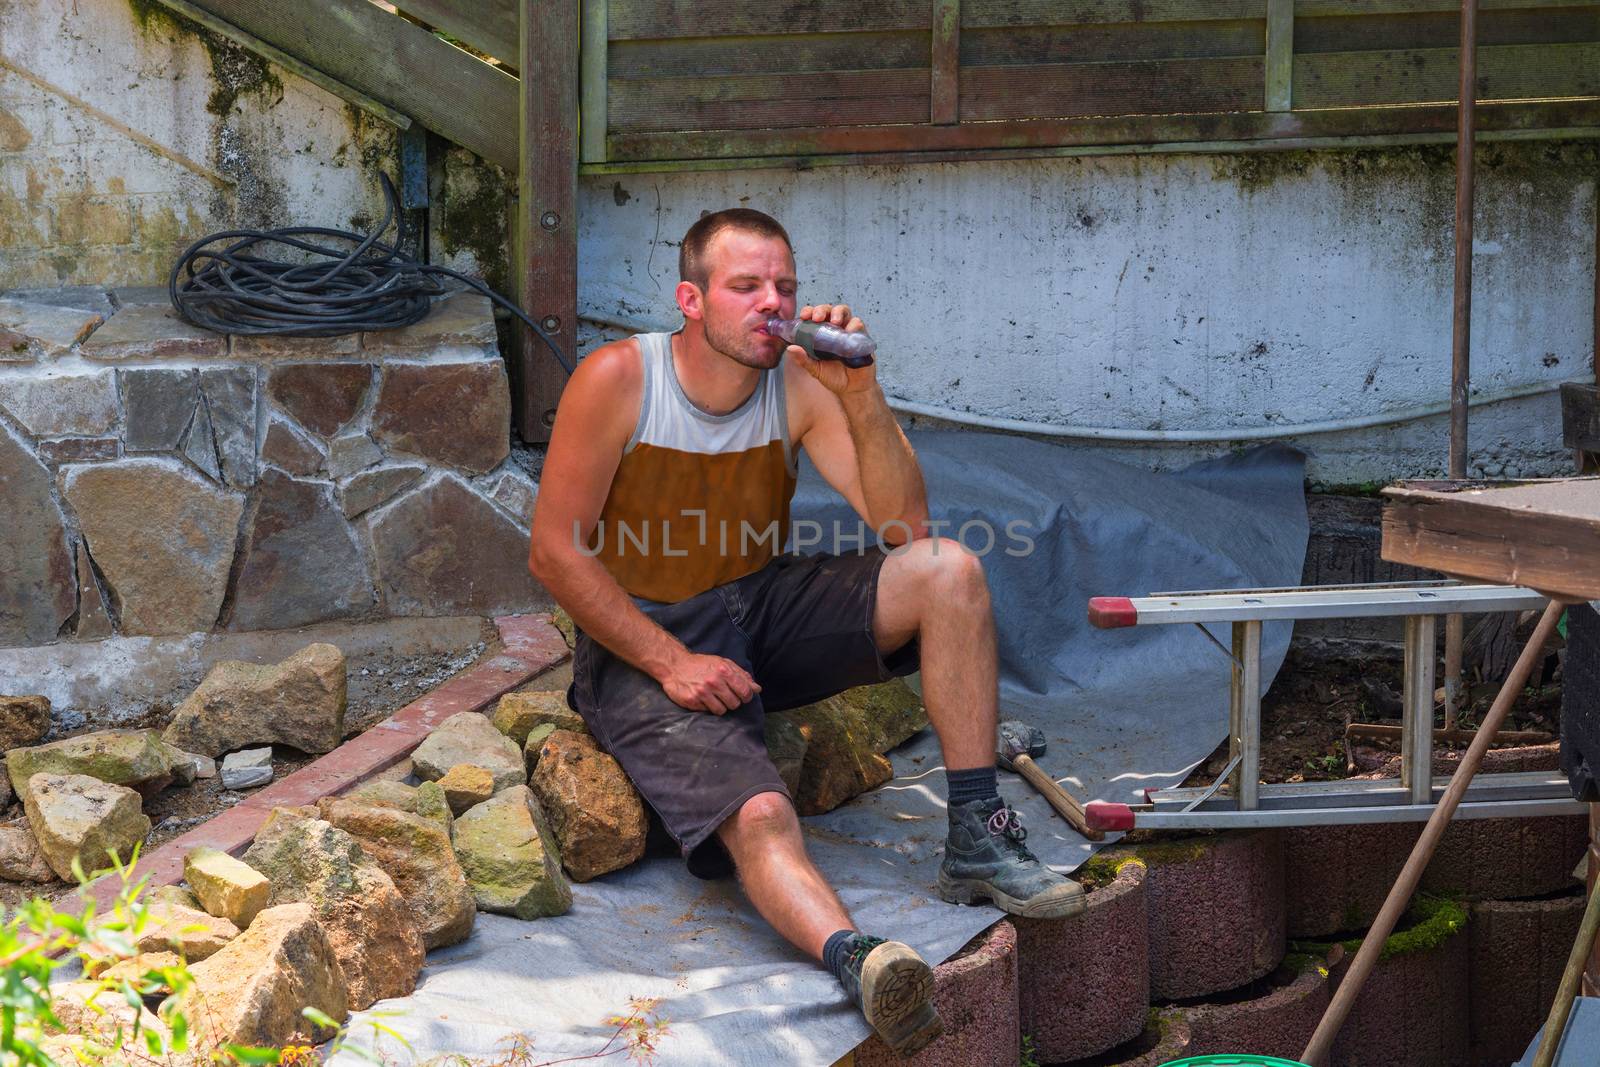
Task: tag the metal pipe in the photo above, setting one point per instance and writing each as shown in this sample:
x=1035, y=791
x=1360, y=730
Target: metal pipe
x=1321, y=1044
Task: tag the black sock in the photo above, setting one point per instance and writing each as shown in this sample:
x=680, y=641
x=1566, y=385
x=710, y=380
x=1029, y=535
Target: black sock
x=979, y=783
x=836, y=951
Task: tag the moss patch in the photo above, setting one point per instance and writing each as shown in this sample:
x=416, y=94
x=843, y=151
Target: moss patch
x=235, y=71
x=1433, y=921
x=475, y=215
x=1185, y=849
x=1103, y=868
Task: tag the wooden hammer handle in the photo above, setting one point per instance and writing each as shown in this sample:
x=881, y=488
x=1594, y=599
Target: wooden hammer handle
x=1064, y=803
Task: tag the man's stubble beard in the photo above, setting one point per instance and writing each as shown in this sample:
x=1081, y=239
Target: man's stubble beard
x=739, y=346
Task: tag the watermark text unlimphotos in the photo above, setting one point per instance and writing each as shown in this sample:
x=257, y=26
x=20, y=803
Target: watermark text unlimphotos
x=669, y=539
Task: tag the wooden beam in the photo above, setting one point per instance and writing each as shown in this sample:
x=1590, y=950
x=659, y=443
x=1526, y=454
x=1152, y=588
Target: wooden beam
x=547, y=204
x=945, y=60
x=490, y=26
x=393, y=61
x=594, y=90
x=1280, y=55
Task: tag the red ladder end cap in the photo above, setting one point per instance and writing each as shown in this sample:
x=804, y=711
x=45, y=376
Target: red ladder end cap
x=1112, y=612
x=1108, y=815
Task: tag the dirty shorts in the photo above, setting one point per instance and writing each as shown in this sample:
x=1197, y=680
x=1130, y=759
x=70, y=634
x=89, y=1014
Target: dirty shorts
x=802, y=627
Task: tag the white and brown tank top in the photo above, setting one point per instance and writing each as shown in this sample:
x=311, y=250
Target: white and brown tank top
x=698, y=499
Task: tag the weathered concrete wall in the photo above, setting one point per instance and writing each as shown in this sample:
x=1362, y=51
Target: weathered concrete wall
x=1179, y=292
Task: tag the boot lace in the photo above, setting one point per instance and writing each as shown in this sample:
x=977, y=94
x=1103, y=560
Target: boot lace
x=1006, y=823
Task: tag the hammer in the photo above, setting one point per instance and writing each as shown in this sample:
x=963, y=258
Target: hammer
x=1016, y=746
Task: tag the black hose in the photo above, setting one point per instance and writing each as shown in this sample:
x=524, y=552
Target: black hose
x=319, y=291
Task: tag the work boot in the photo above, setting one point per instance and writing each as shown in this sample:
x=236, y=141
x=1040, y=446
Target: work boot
x=985, y=858
x=893, y=987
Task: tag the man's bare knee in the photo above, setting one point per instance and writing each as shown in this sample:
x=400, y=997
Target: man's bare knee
x=763, y=819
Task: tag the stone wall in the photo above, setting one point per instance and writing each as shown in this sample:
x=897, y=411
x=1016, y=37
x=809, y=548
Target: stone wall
x=159, y=479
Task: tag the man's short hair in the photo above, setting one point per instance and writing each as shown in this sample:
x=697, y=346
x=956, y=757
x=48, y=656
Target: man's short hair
x=692, y=266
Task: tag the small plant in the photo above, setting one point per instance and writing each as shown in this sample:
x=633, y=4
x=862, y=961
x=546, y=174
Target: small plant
x=1030, y=1056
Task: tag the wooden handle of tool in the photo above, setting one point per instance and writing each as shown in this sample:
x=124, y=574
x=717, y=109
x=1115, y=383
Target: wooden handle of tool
x=1064, y=803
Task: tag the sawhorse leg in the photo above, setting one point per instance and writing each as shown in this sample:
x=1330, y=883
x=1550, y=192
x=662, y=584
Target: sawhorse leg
x=1416, y=729
x=1244, y=713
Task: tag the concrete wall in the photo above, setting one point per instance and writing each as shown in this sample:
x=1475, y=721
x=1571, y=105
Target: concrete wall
x=1178, y=292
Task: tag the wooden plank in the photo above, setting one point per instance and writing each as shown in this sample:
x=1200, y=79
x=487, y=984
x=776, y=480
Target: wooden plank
x=1321, y=8
x=547, y=204
x=1154, y=87
x=1580, y=416
x=700, y=56
x=752, y=102
x=1280, y=55
x=490, y=26
x=945, y=59
x=773, y=114
x=981, y=13
x=1414, y=76
x=461, y=98
x=1296, y=129
x=593, y=77
x=1127, y=41
x=1441, y=29
x=1544, y=535
x=647, y=19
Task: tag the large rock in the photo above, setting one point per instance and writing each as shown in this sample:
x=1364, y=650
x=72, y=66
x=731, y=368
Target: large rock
x=510, y=857
x=518, y=713
x=24, y=720
x=597, y=816
x=850, y=733
x=163, y=539
x=138, y=759
x=20, y=858
x=322, y=397
x=230, y=395
x=227, y=888
x=469, y=737
x=291, y=450
x=252, y=991
x=427, y=800
x=158, y=403
x=82, y=820
x=355, y=902
x=299, y=702
x=301, y=562
x=192, y=933
x=37, y=591
x=152, y=331
x=415, y=852
x=442, y=548
x=787, y=742
x=466, y=786
x=60, y=404
x=455, y=414
x=42, y=329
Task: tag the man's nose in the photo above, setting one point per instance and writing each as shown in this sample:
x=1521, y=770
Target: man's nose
x=771, y=299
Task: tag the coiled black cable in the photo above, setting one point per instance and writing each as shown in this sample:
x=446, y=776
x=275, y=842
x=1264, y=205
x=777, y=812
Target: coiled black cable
x=318, y=290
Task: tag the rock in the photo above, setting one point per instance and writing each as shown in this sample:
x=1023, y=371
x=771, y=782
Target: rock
x=301, y=562
x=517, y=713
x=427, y=800
x=850, y=733
x=415, y=852
x=88, y=1010
x=269, y=348
x=596, y=814
x=138, y=759
x=59, y=450
x=187, y=931
x=351, y=454
x=534, y=745
x=516, y=492
x=510, y=857
x=469, y=737
x=199, y=445
x=563, y=622
x=24, y=720
x=465, y=785
x=152, y=331
x=299, y=702
x=291, y=450
x=355, y=902
x=82, y=820
x=230, y=395
x=251, y=992
x=201, y=767
x=453, y=414
x=322, y=397
x=37, y=595
x=42, y=330
x=134, y=968
x=460, y=318
x=162, y=537
x=20, y=858
x=787, y=741
x=94, y=622
x=60, y=404
x=442, y=548
x=247, y=768
x=225, y=887
x=157, y=403
x=370, y=488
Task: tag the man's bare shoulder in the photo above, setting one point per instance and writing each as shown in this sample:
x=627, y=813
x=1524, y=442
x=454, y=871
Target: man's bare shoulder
x=604, y=393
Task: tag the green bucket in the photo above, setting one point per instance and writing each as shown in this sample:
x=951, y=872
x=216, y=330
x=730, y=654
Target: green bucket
x=1234, y=1060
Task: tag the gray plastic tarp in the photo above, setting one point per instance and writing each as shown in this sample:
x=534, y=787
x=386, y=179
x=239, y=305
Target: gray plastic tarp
x=1123, y=710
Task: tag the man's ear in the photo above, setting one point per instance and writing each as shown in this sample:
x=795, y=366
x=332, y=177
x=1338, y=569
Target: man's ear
x=691, y=301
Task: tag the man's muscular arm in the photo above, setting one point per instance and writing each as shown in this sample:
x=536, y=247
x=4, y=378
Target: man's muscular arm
x=593, y=422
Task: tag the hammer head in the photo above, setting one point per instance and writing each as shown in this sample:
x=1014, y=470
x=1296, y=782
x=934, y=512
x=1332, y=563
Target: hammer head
x=1016, y=738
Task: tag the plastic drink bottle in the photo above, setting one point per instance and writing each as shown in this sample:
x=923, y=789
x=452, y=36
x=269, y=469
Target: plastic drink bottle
x=822, y=341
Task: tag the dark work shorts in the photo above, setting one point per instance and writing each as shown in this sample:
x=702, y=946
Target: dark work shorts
x=802, y=627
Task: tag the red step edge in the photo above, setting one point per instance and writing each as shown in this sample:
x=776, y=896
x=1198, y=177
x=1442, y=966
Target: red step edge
x=1112, y=612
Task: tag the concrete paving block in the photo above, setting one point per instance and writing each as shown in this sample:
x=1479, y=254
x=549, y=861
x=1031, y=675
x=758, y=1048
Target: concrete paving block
x=1335, y=877
x=1215, y=911
x=1504, y=859
x=1278, y=1022
x=975, y=992
x=1516, y=951
x=1084, y=982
